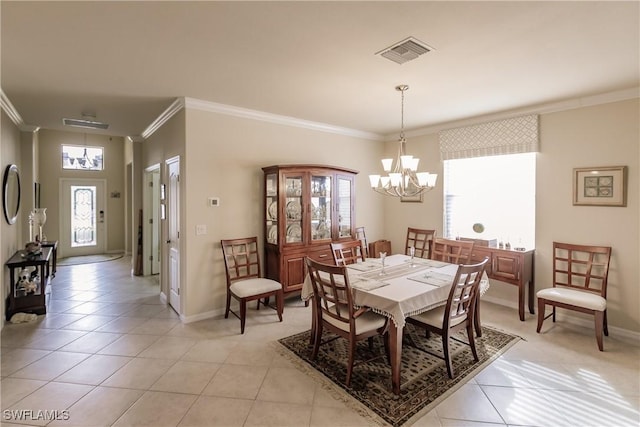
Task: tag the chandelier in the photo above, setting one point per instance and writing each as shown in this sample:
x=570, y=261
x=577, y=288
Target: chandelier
x=403, y=178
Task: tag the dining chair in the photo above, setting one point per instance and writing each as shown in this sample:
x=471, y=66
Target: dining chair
x=457, y=314
x=580, y=276
x=420, y=240
x=244, y=281
x=361, y=235
x=347, y=252
x=336, y=313
x=452, y=251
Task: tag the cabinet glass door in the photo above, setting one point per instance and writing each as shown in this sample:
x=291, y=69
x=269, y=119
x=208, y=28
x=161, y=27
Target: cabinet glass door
x=320, y=207
x=293, y=209
x=271, y=200
x=344, y=207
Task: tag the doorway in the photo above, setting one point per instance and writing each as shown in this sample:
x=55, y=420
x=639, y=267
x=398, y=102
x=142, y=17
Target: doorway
x=82, y=217
x=151, y=214
x=173, y=231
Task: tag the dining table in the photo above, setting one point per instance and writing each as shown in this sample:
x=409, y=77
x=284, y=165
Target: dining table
x=398, y=286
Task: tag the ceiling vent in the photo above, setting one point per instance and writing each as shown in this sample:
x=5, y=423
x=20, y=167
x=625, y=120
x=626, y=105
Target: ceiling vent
x=84, y=123
x=404, y=51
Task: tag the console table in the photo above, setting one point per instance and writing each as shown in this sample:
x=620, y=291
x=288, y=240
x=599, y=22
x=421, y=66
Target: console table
x=510, y=266
x=31, y=302
x=53, y=244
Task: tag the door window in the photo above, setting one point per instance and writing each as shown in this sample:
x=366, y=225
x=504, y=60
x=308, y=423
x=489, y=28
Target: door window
x=83, y=216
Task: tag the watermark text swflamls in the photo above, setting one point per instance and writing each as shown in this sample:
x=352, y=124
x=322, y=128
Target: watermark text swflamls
x=35, y=415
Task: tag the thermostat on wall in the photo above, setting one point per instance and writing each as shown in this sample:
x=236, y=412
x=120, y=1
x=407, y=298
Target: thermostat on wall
x=214, y=201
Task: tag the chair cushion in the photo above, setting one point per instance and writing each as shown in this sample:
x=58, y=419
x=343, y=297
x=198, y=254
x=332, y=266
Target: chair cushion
x=435, y=317
x=369, y=321
x=575, y=297
x=251, y=287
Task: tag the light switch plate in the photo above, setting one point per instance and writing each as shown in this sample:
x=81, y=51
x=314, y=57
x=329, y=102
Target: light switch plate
x=201, y=229
x=214, y=201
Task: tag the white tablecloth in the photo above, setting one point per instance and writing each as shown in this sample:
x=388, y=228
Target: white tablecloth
x=404, y=290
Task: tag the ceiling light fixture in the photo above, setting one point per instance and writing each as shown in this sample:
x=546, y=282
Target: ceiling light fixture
x=403, y=179
x=88, y=121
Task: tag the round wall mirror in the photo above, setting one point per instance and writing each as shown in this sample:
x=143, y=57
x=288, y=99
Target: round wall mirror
x=11, y=193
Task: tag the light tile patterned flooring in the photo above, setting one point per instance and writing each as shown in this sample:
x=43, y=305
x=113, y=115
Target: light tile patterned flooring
x=110, y=353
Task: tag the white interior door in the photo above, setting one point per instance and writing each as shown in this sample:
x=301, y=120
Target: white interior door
x=151, y=211
x=82, y=217
x=173, y=230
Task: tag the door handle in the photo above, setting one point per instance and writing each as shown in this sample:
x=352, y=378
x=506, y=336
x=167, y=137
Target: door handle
x=168, y=241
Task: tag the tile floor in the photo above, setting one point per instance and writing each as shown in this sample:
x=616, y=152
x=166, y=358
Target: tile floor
x=108, y=352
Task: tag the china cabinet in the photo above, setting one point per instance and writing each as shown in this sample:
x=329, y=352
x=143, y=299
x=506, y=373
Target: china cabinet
x=306, y=207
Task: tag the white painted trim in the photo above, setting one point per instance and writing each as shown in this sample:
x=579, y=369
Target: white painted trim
x=171, y=111
x=246, y=113
x=203, y=316
x=563, y=316
x=11, y=111
x=569, y=104
x=163, y=298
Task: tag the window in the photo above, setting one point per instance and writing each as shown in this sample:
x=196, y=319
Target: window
x=495, y=191
x=87, y=158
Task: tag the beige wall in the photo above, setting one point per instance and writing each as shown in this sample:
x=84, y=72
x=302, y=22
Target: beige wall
x=224, y=158
x=50, y=171
x=10, y=240
x=603, y=135
x=166, y=143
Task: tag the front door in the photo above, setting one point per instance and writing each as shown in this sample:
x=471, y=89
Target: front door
x=173, y=230
x=82, y=217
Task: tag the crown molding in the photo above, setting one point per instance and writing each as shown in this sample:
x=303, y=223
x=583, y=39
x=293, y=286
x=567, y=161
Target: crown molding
x=246, y=113
x=164, y=117
x=11, y=111
x=552, y=107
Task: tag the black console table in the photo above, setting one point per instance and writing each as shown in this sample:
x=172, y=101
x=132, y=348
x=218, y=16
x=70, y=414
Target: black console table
x=28, y=302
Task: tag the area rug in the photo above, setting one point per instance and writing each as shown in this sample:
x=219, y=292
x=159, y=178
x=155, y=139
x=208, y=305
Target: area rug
x=424, y=379
x=88, y=259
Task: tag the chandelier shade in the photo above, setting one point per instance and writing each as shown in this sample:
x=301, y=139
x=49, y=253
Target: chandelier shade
x=403, y=178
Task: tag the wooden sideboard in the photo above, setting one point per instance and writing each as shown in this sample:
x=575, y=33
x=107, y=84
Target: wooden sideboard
x=28, y=302
x=509, y=266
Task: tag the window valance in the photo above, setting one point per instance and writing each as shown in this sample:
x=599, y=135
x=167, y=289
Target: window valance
x=509, y=136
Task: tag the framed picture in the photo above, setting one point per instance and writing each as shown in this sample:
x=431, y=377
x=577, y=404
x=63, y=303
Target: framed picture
x=600, y=186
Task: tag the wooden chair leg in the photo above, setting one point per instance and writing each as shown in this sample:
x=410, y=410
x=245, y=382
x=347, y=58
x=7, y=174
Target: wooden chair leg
x=541, y=304
x=554, y=313
x=318, y=339
x=447, y=355
x=280, y=304
x=243, y=314
x=226, y=312
x=352, y=351
x=606, y=329
x=370, y=340
x=472, y=341
x=599, y=315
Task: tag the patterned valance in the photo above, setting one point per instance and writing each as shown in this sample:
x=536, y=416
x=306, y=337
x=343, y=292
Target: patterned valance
x=509, y=136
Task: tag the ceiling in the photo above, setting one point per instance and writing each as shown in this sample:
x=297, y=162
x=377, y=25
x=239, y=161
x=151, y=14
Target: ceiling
x=126, y=62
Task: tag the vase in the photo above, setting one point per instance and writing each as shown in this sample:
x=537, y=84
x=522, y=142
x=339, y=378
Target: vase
x=39, y=217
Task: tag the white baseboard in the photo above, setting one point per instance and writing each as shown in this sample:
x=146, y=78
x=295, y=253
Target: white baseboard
x=163, y=298
x=563, y=315
x=202, y=316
